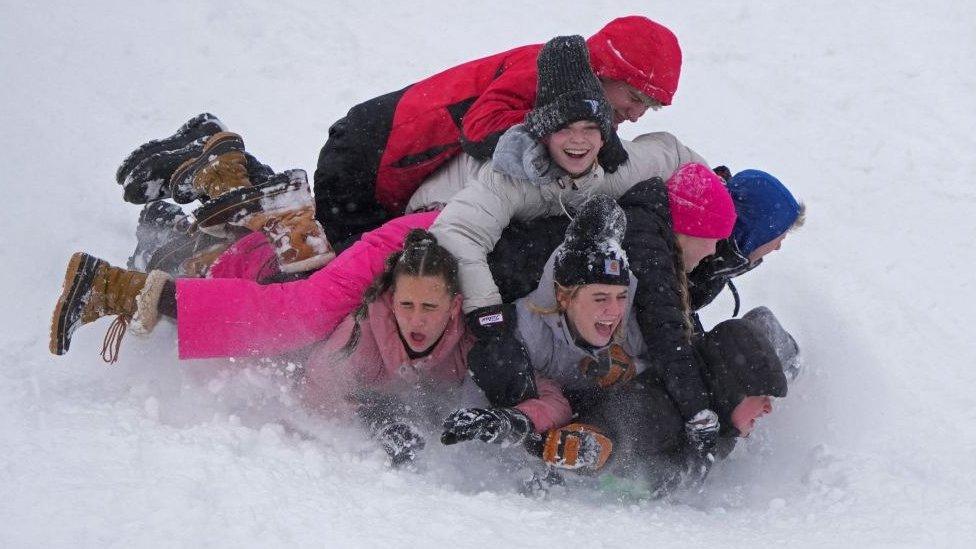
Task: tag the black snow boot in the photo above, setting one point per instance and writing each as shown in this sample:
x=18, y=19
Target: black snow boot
x=167, y=242
x=159, y=222
x=144, y=174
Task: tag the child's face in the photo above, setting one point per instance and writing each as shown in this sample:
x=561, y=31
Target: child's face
x=766, y=249
x=575, y=147
x=627, y=102
x=423, y=308
x=694, y=249
x=596, y=311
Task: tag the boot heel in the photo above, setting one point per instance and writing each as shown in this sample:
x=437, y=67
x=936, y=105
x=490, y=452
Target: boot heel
x=78, y=279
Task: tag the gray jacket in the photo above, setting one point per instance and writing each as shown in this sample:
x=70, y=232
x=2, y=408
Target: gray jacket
x=481, y=201
x=552, y=349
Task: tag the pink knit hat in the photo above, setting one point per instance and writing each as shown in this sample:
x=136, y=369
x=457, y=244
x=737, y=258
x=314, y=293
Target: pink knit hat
x=700, y=204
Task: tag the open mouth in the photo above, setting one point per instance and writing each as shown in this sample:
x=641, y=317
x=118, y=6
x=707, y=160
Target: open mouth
x=417, y=338
x=578, y=154
x=605, y=329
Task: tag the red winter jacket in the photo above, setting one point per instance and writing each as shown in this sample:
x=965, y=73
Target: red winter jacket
x=383, y=149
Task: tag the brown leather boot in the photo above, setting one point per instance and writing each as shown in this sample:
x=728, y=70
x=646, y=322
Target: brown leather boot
x=92, y=289
x=282, y=209
x=298, y=239
x=218, y=169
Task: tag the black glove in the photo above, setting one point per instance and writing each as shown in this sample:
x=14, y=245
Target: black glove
x=496, y=425
x=401, y=441
x=612, y=154
x=702, y=431
x=498, y=361
x=391, y=423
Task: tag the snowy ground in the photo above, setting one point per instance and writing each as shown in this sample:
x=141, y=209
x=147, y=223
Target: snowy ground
x=865, y=109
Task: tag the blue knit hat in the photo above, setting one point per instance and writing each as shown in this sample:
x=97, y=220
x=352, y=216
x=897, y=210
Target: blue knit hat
x=764, y=207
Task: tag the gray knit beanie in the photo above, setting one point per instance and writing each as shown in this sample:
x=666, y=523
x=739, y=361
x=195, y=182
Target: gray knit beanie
x=567, y=90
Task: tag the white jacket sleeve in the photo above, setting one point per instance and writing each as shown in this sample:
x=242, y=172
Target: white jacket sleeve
x=441, y=186
x=470, y=226
x=657, y=154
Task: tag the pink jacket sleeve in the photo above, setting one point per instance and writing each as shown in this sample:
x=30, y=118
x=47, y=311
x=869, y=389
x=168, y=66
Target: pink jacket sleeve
x=229, y=317
x=550, y=410
x=331, y=376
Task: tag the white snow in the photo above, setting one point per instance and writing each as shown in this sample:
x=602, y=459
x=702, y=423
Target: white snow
x=864, y=109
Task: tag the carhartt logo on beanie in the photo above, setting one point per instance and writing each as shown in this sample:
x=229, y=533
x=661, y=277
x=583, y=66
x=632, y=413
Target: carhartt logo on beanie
x=640, y=52
x=567, y=90
x=591, y=252
x=700, y=204
x=766, y=209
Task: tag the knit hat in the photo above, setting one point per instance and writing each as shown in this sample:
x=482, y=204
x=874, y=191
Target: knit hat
x=765, y=209
x=640, y=52
x=700, y=204
x=591, y=252
x=567, y=90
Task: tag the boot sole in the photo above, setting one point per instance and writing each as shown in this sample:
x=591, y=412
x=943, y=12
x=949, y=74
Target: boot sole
x=77, y=282
x=202, y=125
x=236, y=205
x=149, y=179
x=170, y=256
x=217, y=145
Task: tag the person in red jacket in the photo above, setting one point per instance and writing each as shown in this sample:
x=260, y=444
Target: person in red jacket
x=383, y=149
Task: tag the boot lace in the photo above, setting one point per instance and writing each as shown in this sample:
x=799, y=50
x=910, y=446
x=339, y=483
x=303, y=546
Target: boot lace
x=113, y=339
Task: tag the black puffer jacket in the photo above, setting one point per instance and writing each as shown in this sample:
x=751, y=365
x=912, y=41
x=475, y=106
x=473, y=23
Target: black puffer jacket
x=651, y=248
x=519, y=256
x=714, y=272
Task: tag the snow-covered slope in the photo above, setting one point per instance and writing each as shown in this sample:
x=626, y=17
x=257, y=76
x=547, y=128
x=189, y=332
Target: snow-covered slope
x=864, y=109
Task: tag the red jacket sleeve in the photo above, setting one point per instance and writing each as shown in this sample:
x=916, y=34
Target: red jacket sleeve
x=503, y=104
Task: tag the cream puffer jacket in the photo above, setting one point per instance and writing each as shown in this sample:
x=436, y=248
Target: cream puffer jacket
x=479, y=201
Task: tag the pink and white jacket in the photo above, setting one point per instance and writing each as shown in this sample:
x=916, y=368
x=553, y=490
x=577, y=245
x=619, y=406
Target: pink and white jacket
x=231, y=315
x=380, y=362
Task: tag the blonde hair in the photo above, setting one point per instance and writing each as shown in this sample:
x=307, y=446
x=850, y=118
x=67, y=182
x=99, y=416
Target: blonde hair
x=571, y=292
x=801, y=218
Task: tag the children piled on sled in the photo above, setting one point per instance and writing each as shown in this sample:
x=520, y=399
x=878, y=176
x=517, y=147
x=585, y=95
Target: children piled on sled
x=484, y=226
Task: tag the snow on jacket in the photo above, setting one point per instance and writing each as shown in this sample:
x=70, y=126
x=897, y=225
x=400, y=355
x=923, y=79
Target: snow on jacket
x=383, y=149
x=552, y=348
x=650, y=244
x=481, y=202
x=235, y=317
x=380, y=362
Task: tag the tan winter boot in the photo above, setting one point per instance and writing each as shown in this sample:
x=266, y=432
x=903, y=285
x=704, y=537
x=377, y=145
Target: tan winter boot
x=92, y=289
x=217, y=170
x=298, y=239
x=282, y=209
